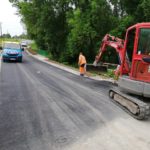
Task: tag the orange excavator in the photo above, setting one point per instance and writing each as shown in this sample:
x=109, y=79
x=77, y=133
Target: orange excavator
x=133, y=91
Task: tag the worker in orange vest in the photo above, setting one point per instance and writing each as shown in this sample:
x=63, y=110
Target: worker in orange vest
x=82, y=64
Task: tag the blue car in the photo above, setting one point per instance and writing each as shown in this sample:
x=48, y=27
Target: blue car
x=12, y=52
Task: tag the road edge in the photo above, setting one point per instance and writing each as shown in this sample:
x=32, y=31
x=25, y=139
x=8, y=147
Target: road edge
x=44, y=59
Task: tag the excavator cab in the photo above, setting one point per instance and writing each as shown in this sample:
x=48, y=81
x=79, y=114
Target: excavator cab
x=141, y=65
x=134, y=84
x=137, y=47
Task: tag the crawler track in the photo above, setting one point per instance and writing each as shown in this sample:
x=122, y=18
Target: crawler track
x=132, y=105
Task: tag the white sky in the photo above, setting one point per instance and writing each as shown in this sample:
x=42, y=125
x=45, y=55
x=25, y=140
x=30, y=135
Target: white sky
x=10, y=22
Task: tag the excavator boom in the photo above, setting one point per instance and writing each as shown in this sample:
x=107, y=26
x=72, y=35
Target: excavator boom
x=118, y=45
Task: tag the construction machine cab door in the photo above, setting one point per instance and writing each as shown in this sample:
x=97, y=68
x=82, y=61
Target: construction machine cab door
x=128, y=52
x=130, y=46
x=141, y=57
x=137, y=47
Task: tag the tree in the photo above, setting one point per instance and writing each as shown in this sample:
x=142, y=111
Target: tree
x=6, y=35
x=88, y=23
x=66, y=27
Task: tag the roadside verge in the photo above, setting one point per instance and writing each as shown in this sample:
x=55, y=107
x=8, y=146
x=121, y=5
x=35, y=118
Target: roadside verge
x=67, y=68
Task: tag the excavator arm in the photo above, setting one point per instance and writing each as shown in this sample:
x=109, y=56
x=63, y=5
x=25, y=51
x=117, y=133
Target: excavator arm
x=118, y=45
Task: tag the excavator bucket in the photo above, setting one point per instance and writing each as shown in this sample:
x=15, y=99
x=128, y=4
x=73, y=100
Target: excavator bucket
x=97, y=68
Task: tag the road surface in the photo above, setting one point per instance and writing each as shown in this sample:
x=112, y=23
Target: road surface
x=45, y=108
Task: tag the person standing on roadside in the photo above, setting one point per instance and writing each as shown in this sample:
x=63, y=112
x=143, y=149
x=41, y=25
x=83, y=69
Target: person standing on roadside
x=82, y=64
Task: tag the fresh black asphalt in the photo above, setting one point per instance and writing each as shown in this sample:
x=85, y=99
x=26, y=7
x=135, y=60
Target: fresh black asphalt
x=45, y=108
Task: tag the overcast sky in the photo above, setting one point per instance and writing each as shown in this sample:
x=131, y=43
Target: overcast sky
x=10, y=22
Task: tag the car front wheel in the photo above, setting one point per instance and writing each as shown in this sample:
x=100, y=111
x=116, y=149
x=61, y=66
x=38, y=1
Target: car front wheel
x=4, y=60
x=20, y=60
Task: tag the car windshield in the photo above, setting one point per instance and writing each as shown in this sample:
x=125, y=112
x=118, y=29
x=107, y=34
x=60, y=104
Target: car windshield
x=11, y=46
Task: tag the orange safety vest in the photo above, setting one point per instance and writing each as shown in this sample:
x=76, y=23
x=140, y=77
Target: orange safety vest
x=82, y=60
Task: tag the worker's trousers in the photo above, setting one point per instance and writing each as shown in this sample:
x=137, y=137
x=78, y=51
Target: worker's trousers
x=82, y=69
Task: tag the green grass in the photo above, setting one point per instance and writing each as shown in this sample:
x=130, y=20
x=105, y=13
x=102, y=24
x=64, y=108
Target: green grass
x=2, y=40
x=109, y=73
x=11, y=40
x=34, y=46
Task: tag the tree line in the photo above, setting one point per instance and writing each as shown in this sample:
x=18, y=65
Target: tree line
x=66, y=27
x=7, y=36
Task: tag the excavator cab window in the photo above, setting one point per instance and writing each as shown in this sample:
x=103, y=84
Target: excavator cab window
x=144, y=42
x=130, y=44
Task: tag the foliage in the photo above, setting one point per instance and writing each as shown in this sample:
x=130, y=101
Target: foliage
x=63, y=28
x=6, y=35
x=87, y=26
x=33, y=46
x=9, y=39
x=124, y=23
x=21, y=36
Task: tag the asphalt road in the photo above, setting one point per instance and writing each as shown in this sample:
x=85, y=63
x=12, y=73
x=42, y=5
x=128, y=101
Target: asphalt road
x=45, y=108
